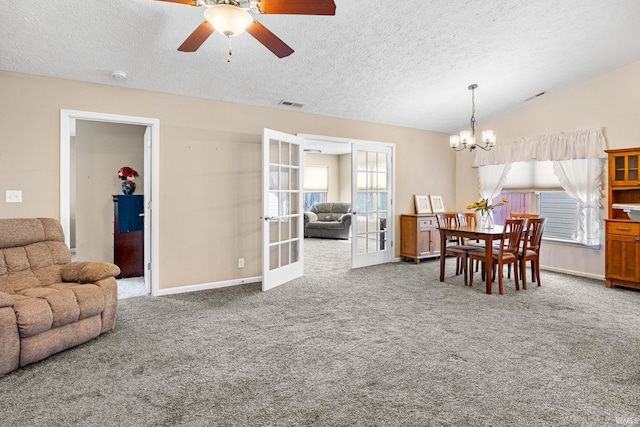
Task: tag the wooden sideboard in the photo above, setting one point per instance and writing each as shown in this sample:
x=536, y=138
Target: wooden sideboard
x=420, y=237
x=622, y=236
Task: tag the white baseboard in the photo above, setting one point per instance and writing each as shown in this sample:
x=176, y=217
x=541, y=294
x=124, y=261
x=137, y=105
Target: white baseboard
x=573, y=273
x=235, y=282
x=206, y=286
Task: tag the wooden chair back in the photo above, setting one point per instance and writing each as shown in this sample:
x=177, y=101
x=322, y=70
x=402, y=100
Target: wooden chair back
x=533, y=235
x=468, y=218
x=523, y=215
x=513, y=229
x=447, y=219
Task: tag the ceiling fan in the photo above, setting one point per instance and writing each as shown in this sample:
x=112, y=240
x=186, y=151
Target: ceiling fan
x=232, y=17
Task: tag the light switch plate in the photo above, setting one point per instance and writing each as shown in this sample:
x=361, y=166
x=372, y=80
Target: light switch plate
x=14, y=196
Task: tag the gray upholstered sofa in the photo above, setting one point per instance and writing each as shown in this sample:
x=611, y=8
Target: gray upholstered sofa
x=47, y=302
x=330, y=220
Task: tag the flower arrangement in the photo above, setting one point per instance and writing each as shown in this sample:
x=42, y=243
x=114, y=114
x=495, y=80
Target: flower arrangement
x=484, y=206
x=127, y=173
x=485, y=209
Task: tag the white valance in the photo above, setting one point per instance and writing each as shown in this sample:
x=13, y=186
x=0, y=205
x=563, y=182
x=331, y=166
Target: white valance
x=582, y=144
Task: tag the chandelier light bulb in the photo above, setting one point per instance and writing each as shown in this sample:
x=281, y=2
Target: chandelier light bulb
x=472, y=142
x=465, y=136
x=454, y=141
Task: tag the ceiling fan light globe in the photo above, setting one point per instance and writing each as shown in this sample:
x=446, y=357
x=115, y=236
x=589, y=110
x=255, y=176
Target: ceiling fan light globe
x=228, y=19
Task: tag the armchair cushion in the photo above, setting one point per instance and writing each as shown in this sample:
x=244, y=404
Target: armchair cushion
x=88, y=272
x=6, y=300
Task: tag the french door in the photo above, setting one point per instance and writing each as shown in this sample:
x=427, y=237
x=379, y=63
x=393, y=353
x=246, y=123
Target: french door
x=282, y=228
x=372, y=221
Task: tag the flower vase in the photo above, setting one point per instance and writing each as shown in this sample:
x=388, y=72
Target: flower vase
x=486, y=219
x=128, y=186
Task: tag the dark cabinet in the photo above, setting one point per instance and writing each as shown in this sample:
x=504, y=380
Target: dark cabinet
x=128, y=235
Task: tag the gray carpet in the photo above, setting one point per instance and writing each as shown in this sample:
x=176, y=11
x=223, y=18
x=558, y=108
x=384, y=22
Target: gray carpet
x=386, y=345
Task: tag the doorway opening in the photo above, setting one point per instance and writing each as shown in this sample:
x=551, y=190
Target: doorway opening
x=148, y=129
x=361, y=173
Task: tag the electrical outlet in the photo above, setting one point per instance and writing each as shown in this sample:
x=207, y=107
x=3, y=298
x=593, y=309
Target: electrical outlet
x=240, y=262
x=13, y=196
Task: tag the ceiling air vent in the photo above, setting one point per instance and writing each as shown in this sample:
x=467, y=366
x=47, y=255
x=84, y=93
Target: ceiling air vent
x=290, y=104
x=535, y=96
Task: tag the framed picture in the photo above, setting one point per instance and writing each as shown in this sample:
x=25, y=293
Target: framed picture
x=436, y=204
x=422, y=204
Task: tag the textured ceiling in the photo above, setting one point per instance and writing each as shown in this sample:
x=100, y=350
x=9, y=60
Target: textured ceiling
x=402, y=62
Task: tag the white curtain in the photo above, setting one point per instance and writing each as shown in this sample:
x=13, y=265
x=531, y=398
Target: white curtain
x=582, y=144
x=582, y=180
x=578, y=159
x=492, y=178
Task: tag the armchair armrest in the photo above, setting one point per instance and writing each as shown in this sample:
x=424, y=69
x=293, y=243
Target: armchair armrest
x=88, y=272
x=310, y=217
x=5, y=300
x=345, y=219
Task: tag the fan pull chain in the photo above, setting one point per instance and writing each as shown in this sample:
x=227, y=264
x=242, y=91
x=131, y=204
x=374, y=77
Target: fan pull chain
x=230, y=50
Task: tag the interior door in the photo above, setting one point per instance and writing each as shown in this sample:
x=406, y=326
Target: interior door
x=282, y=231
x=372, y=225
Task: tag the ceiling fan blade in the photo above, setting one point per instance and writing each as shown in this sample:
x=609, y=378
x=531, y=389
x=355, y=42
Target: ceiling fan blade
x=297, y=7
x=269, y=40
x=195, y=40
x=189, y=2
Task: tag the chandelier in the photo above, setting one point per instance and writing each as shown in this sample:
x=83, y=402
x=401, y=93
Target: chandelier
x=468, y=137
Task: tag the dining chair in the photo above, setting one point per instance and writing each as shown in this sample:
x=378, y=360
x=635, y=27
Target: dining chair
x=526, y=216
x=471, y=219
x=530, y=250
x=453, y=245
x=505, y=254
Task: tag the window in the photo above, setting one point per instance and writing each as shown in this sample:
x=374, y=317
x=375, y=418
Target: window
x=316, y=185
x=534, y=187
x=313, y=197
x=558, y=207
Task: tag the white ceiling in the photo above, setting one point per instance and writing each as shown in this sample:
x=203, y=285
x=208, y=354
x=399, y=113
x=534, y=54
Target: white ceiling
x=402, y=62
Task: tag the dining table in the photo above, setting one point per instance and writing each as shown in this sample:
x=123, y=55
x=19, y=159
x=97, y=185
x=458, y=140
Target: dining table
x=472, y=232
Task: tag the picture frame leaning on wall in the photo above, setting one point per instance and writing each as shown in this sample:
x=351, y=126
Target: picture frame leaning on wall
x=422, y=204
x=437, y=204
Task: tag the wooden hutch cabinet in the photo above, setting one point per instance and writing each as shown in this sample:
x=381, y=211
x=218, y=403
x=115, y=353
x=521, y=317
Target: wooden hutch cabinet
x=420, y=236
x=622, y=235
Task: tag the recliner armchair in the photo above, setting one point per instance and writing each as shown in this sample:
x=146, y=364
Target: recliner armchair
x=48, y=303
x=331, y=220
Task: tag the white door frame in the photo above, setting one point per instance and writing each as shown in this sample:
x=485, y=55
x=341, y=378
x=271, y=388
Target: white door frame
x=152, y=137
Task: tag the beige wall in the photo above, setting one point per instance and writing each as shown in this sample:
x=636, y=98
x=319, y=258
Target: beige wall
x=101, y=149
x=210, y=163
x=611, y=101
